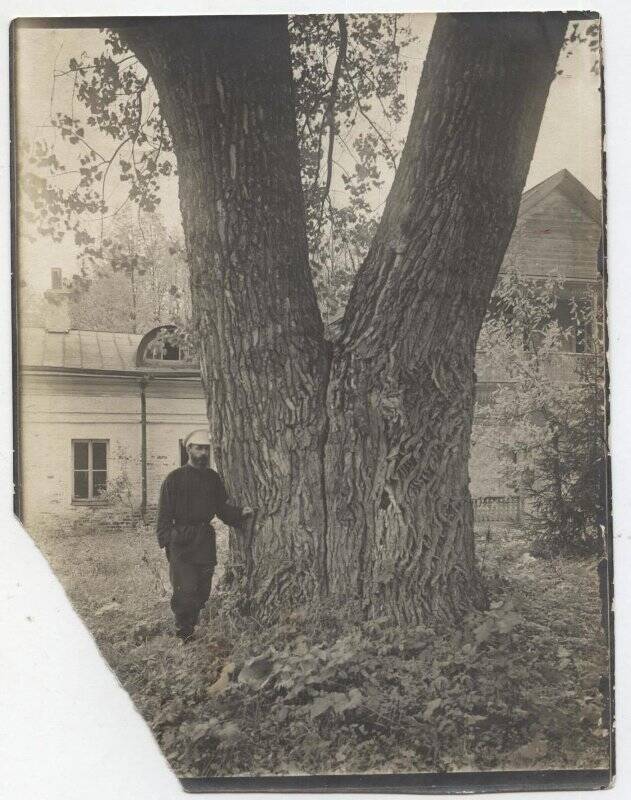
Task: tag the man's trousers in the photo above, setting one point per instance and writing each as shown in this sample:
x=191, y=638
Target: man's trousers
x=191, y=589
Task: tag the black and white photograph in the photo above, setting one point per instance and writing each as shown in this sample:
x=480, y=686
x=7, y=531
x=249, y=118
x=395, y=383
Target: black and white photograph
x=310, y=387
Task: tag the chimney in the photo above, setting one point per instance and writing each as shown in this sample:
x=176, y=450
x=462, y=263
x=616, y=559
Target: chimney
x=57, y=305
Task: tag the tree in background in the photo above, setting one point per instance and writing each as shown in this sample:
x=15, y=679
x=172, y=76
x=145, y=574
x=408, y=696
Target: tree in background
x=348, y=102
x=138, y=281
x=354, y=451
x=545, y=421
x=347, y=75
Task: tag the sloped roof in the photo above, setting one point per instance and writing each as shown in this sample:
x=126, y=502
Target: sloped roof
x=75, y=349
x=103, y=351
x=564, y=181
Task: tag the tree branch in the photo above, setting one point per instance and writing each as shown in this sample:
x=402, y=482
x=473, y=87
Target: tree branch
x=382, y=139
x=138, y=95
x=330, y=114
x=81, y=67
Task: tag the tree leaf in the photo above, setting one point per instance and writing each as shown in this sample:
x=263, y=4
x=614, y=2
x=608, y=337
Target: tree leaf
x=223, y=680
x=256, y=671
x=431, y=707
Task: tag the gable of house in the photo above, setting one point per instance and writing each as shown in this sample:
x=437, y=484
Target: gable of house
x=558, y=231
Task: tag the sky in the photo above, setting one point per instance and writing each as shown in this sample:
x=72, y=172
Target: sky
x=570, y=135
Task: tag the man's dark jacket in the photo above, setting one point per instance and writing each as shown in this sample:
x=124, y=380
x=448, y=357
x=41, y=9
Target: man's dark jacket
x=189, y=499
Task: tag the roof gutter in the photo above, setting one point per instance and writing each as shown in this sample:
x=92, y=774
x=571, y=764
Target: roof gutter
x=143, y=445
x=110, y=373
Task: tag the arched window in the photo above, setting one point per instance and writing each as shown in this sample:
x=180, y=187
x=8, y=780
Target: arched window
x=161, y=347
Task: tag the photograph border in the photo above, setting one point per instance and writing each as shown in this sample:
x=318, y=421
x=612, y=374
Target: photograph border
x=408, y=783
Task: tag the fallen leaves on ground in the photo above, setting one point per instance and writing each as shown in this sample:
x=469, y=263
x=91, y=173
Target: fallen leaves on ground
x=521, y=686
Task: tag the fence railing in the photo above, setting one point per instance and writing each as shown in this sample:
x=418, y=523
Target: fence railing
x=559, y=367
x=496, y=509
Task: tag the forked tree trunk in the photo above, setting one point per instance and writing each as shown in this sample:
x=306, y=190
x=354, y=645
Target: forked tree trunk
x=401, y=391
x=362, y=488
x=225, y=89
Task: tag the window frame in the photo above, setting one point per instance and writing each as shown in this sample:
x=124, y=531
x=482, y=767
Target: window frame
x=56, y=279
x=91, y=499
x=148, y=354
x=583, y=337
x=150, y=359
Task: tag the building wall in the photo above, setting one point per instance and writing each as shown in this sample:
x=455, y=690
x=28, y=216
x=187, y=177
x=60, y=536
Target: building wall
x=554, y=237
x=173, y=411
x=484, y=477
x=56, y=410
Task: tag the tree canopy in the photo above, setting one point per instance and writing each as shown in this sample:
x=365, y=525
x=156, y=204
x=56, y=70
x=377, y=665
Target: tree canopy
x=348, y=103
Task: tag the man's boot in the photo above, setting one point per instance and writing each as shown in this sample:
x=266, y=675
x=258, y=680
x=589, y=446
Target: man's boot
x=184, y=627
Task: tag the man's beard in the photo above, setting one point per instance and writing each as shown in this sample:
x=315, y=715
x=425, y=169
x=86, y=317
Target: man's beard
x=199, y=461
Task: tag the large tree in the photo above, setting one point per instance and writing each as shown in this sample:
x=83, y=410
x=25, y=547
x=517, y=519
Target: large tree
x=354, y=451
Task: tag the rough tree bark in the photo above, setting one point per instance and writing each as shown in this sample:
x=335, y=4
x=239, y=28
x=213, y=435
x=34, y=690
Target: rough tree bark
x=225, y=89
x=358, y=465
x=401, y=389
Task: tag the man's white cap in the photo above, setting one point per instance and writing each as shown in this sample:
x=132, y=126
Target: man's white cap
x=200, y=436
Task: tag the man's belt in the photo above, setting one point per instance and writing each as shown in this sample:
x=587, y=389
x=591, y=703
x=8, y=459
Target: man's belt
x=192, y=522
x=185, y=533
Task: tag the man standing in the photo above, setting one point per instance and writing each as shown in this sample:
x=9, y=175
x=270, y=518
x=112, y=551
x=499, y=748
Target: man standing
x=189, y=498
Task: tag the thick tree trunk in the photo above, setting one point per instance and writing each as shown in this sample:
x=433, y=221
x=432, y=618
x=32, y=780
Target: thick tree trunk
x=225, y=89
x=359, y=466
x=401, y=390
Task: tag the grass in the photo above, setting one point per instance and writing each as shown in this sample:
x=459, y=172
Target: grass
x=522, y=686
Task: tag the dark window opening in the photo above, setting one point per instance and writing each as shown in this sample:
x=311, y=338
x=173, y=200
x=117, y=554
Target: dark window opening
x=55, y=279
x=574, y=317
x=164, y=351
x=89, y=469
x=171, y=352
x=183, y=453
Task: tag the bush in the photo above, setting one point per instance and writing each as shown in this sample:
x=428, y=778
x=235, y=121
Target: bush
x=545, y=420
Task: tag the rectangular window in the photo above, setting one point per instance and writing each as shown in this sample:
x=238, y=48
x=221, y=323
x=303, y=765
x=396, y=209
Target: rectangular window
x=55, y=279
x=483, y=393
x=163, y=350
x=89, y=468
x=584, y=332
x=575, y=318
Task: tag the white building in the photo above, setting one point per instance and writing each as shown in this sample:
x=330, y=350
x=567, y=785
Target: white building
x=93, y=406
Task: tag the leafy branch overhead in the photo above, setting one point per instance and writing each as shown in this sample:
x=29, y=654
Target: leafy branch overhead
x=347, y=75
